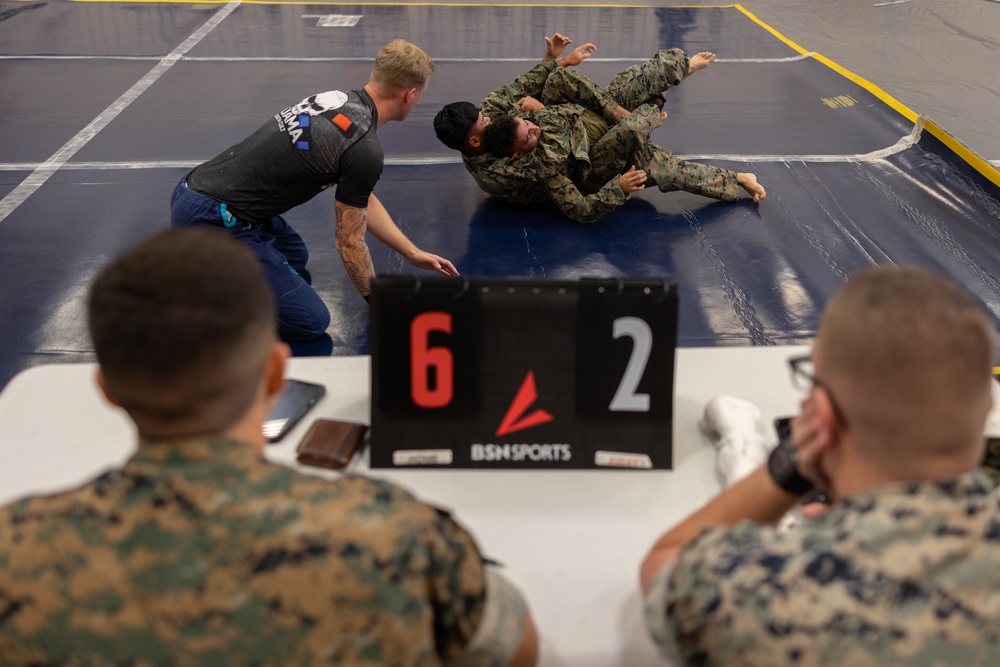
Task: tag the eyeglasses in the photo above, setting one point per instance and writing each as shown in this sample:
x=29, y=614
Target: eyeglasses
x=804, y=378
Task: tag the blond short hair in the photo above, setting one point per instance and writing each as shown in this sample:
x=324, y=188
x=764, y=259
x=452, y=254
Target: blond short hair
x=400, y=64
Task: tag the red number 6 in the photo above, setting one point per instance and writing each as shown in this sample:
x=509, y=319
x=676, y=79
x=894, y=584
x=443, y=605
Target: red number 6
x=423, y=358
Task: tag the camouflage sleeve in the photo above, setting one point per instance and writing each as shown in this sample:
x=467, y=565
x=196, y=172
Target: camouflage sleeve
x=655, y=615
x=503, y=99
x=580, y=207
x=505, y=179
x=503, y=623
x=457, y=585
x=991, y=460
x=569, y=86
x=695, y=606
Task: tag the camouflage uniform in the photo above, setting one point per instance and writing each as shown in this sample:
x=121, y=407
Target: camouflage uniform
x=579, y=176
x=503, y=177
x=991, y=462
x=903, y=574
x=535, y=83
x=201, y=553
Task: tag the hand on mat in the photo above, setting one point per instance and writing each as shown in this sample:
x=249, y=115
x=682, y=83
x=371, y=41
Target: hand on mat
x=426, y=260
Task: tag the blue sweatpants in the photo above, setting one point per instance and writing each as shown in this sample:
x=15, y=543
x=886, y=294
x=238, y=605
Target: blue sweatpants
x=302, y=315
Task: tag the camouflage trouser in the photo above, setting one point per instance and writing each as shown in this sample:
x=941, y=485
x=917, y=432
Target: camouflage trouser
x=626, y=144
x=634, y=85
x=630, y=88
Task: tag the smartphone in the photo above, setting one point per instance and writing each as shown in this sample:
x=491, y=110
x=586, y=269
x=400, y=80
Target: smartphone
x=783, y=426
x=296, y=400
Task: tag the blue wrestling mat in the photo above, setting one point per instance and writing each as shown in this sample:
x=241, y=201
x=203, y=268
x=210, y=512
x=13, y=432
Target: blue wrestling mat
x=115, y=101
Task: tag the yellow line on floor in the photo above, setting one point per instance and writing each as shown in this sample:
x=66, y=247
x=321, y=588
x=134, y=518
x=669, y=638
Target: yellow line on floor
x=771, y=30
x=976, y=162
x=963, y=152
x=347, y=3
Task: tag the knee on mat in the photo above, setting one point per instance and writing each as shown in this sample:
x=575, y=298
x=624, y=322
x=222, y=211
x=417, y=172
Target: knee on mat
x=303, y=328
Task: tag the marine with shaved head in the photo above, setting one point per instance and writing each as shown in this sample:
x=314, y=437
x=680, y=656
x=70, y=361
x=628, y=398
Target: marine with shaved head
x=197, y=551
x=904, y=567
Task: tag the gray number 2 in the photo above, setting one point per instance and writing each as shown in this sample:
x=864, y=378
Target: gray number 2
x=626, y=400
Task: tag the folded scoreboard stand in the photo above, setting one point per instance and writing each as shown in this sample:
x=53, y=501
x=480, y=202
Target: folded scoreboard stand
x=522, y=373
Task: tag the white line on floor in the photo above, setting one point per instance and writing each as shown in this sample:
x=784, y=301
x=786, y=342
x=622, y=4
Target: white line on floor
x=430, y=161
x=44, y=171
x=905, y=142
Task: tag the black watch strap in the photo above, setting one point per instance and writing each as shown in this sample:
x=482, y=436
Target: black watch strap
x=783, y=471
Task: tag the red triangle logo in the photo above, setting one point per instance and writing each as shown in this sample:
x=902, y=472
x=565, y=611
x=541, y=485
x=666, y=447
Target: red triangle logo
x=515, y=419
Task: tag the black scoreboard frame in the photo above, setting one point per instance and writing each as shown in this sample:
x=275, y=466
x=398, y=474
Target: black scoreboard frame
x=522, y=373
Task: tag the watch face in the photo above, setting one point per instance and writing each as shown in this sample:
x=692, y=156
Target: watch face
x=782, y=468
x=784, y=461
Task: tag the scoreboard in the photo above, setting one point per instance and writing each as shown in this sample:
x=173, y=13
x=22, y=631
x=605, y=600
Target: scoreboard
x=522, y=373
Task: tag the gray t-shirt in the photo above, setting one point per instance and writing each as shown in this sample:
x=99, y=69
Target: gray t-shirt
x=325, y=139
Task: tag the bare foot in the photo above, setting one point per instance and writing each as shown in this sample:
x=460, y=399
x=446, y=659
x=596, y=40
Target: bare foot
x=700, y=61
x=749, y=183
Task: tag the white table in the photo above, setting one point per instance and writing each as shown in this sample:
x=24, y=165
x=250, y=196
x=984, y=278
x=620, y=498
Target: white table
x=571, y=540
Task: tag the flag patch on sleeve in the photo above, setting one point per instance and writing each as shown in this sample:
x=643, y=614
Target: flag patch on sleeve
x=343, y=122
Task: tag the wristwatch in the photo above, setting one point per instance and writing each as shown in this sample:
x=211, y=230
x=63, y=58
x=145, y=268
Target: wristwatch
x=783, y=471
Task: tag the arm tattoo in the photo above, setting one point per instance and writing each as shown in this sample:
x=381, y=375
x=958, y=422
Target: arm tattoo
x=349, y=239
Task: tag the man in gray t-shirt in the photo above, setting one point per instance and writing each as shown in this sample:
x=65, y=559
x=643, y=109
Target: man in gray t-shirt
x=328, y=139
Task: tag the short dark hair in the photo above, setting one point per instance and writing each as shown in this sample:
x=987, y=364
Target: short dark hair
x=454, y=122
x=501, y=135
x=183, y=325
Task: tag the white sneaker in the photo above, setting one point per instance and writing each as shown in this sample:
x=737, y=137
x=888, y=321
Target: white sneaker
x=727, y=414
x=742, y=447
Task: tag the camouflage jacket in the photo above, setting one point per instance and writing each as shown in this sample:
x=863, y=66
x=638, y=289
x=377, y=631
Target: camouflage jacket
x=530, y=84
x=903, y=574
x=569, y=86
x=202, y=553
x=561, y=161
x=991, y=462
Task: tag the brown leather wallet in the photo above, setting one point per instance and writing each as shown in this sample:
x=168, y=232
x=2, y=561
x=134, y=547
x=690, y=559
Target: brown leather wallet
x=330, y=444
